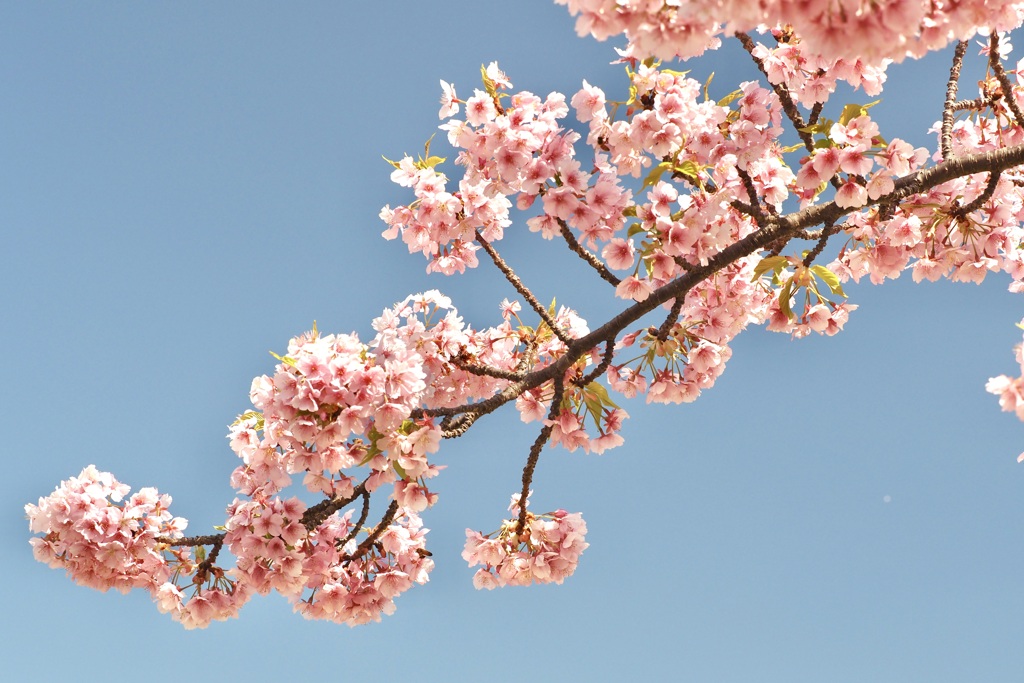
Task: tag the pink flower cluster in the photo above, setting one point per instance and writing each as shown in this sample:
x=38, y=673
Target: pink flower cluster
x=887, y=29
x=547, y=550
x=360, y=590
x=811, y=78
x=100, y=543
x=1010, y=390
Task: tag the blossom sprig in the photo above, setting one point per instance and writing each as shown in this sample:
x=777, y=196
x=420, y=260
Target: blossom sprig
x=892, y=30
x=544, y=550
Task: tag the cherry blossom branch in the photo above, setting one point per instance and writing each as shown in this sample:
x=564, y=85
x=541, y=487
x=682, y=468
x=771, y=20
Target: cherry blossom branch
x=486, y=370
x=949, y=107
x=538, y=446
x=826, y=232
x=1004, y=81
x=191, y=541
x=788, y=105
x=670, y=319
x=339, y=544
x=783, y=228
x=523, y=290
x=977, y=202
x=389, y=516
x=756, y=212
x=602, y=367
x=588, y=257
x=316, y=514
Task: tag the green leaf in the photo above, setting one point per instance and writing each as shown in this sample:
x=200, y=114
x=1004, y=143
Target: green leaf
x=655, y=175
x=773, y=263
x=285, y=359
x=687, y=168
x=730, y=98
x=399, y=470
x=634, y=229
x=630, y=211
x=784, y=295
x=200, y=554
x=247, y=415
x=599, y=391
x=852, y=111
x=830, y=279
x=707, y=83
x=393, y=163
x=488, y=83
x=792, y=148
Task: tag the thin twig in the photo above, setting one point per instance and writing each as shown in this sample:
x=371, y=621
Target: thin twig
x=602, y=367
x=358, y=525
x=389, y=516
x=538, y=446
x=758, y=213
x=948, y=108
x=788, y=105
x=486, y=370
x=523, y=290
x=1004, y=81
x=670, y=319
x=826, y=232
x=977, y=202
x=582, y=252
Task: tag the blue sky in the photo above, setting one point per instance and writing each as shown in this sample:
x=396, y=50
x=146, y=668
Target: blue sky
x=187, y=186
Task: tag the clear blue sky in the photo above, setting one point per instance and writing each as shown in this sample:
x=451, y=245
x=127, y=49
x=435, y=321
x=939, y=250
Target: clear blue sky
x=187, y=185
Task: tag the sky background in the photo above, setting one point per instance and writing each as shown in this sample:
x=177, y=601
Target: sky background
x=188, y=185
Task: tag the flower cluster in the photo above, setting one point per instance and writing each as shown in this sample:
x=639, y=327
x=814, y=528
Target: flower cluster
x=355, y=584
x=547, y=549
x=889, y=29
x=100, y=543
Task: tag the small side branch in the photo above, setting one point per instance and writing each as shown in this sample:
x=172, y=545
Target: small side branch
x=950, y=106
x=826, y=232
x=977, y=202
x=1004, y=81
x=486, y=370
x=315, y=515
x=670, y=319
x=523, y=290
x=580, y=251
x=788, y=105
x=602, y=367
x=368, y=542
x=358, y=525
x=538, y=446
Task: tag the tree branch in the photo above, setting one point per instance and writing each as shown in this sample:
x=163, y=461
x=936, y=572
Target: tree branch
x=949, y=107
x=580, y=251
x=538, y=446
x=1000, y=73
x=523, y=290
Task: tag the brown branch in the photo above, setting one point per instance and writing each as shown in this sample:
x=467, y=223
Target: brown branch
x=670, y=319
x=758, y=213
x=976, y=103
x=826, y=232
x=948, y=108
x=538, y=446
x=1004, y=81
x=315, y=515
x=486, y=370
x=977, y=202
x=389, y=516
x=191, y=541
x=523, y=290
x=606, y=360
x=358, y=525
x=788, y=105
x=582, y=252
x=782, y=229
